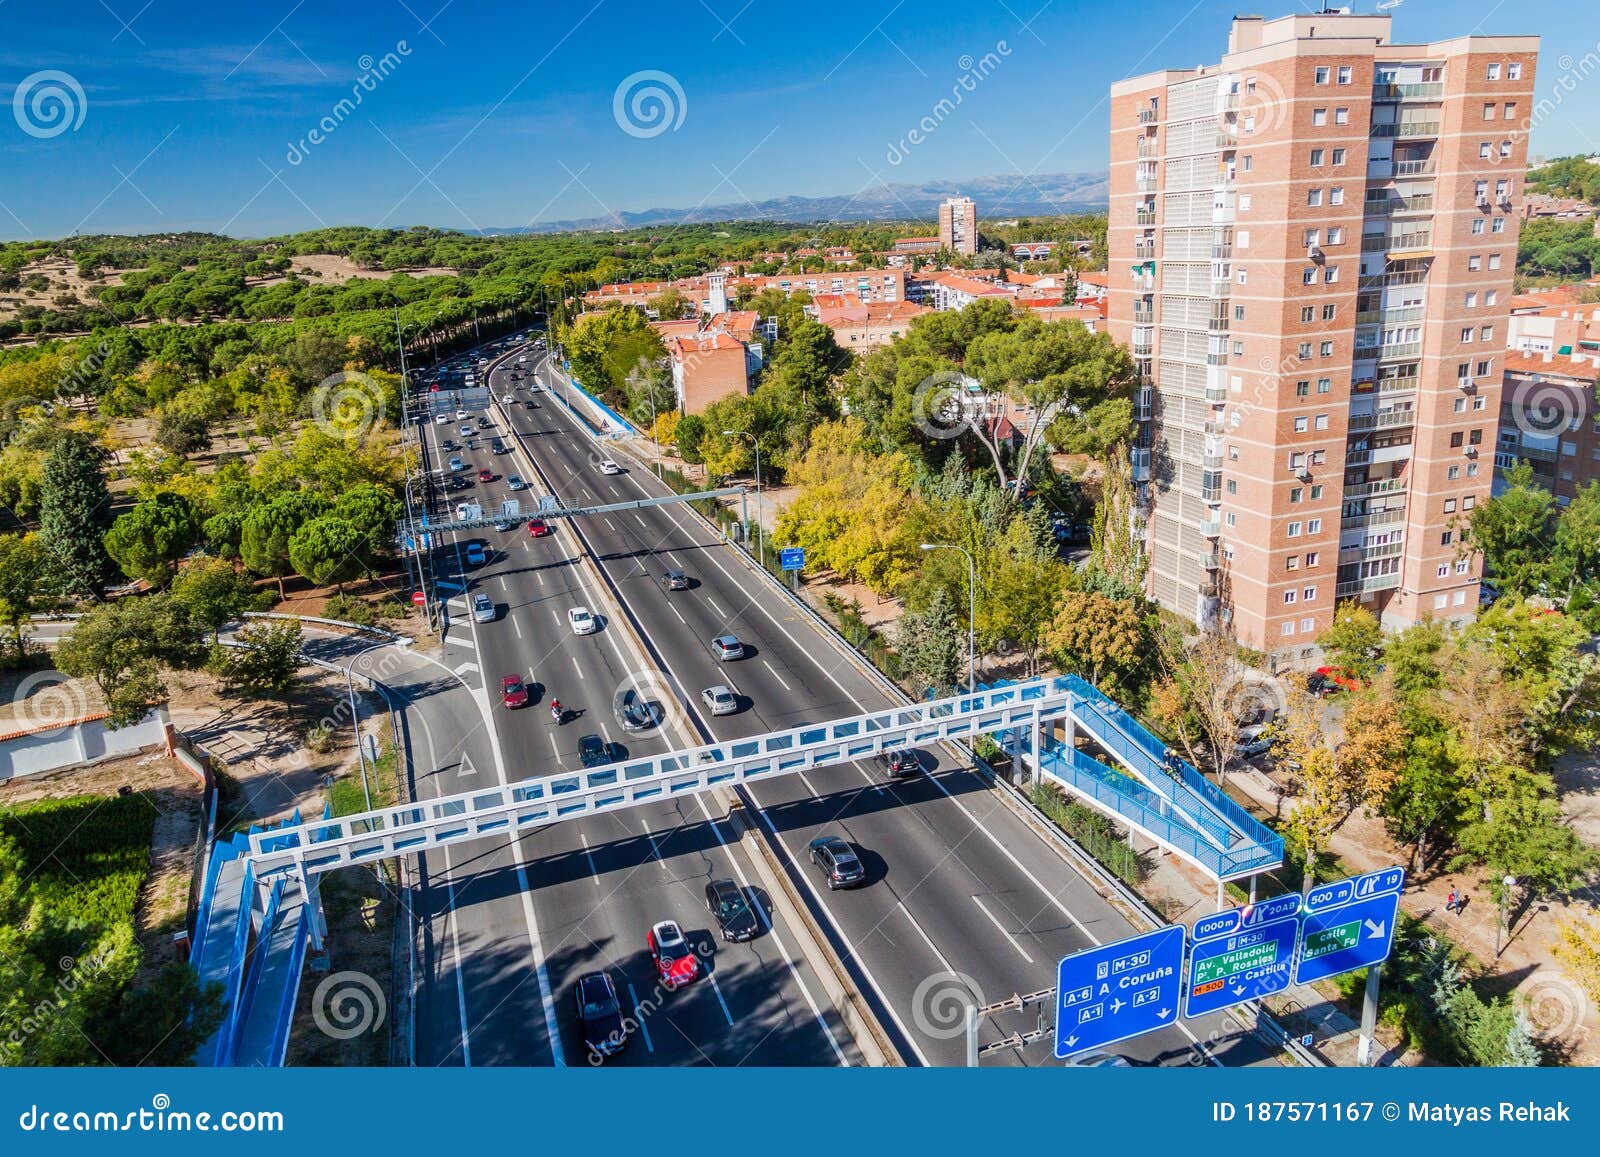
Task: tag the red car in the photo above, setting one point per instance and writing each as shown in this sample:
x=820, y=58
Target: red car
x=538, y=528
x=676, y=963
x=486, y=476
x=513, y=691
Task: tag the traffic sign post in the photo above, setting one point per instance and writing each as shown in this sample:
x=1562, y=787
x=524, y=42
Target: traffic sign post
x=1115, y=991
x=1241, y=954
x=792, y=558
x=1348, y=925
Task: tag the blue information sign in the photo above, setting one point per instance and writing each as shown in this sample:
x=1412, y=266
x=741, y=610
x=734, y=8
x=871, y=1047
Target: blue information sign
x=792, y=558
x=1241, y=954
x=1348, y=924
x=1116, y=991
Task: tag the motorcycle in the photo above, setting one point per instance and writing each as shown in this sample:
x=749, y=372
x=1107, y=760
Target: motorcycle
x=558, y=712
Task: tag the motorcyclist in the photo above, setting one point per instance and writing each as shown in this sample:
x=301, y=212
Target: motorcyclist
x=557, y=712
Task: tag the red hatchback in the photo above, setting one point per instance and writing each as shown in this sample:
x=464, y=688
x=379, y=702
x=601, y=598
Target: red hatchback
x=676, y=963
x=538, y=528
x=486, y=476
x=513, y=691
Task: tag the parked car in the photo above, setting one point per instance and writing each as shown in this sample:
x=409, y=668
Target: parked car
x=1250, y=748
x=513, y=691
x=675, y=580
x=900, y=764
x=727, y=647
x=538, y=528
x=726, y=902
x=581, y=621
x=476, y=554
x=634, y=711
x=593, y=751
x=720, y=699
x=600, y=1015
x=675, y=960
x=840, y=865
x=482, y=609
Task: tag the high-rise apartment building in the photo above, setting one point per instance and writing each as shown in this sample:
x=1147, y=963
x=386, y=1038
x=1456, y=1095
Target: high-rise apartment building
x=958, y=225
x=1312, y=245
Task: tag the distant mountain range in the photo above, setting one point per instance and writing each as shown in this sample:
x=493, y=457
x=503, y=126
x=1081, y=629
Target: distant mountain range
x=998, y=195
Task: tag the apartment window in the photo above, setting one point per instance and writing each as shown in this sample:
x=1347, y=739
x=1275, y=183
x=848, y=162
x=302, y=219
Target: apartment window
x=1313, y=197
x=1309, y=594
x=1249, y=124
x=1505, y=148
x=1447, y=538
x=1488, y=111
x=1316, y=156
x=1477, y=226
x=1485, y=150
x=1453, y=473
x=1320, y=422
x=1466, y=335
x=1296, y=493
x=1233, y=486
x=1475, y=438
x=1472, y=469
x=1302, y=389
x=1304, y=350
x=1481, y=190
x=1323, y=74
x=1232, y=519
x=1294, y=530
x=1339, y=156
x=1467, y=503
x=1327, y=349
x=1335, y=235
x=1288, y=629
x=1329, y=312
x=1245, y=201
x=1233, y=452
x=1319, y=117
x=1238, y=313
x=1449, y=505
x=1308, y=275
x=1316, y=493
x=1498, y=225
x=1345, y=73
x=1456, y=440
x=1443, y=571
x=1486, y=333
x=1472, y=301
x=1494, y=71
x=1474, y=263
x=1308, y=313
x=1440, y=602
x=1247, y=163
x=1502, y=189
x=1297, y=463
x=1484, y=368
x=1336, y=196
x=1311, y=559
x=1491, y=296
x=1243, y=277
x=1330, y=274
x=1511, y=110
x=1460, y=405
x=1311, y=237
x=1478, y=402
x=1514, y=71
x=1341, y=116
x=1301, y=425
x=1289, y=596
x=1324, y=385
x=1294, y=562
x=1318, y=457
x=1238, y=349
x=1314, y=526
x=1494, y=261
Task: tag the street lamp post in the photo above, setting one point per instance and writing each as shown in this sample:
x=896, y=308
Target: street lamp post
x=1500, y=929
x=972, y=609
x=761, y=532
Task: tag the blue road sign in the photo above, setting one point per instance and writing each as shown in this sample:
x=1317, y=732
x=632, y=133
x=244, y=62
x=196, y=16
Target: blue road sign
x=1116, y=991
x=1241, y=954
x=792, y=557
x=548, y=503
x=1349, y=924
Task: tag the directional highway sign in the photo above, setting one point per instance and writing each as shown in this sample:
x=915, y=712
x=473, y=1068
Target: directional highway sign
x=792, y=558
x=1348, y=925
x=1241, y=954
x=1116, y=991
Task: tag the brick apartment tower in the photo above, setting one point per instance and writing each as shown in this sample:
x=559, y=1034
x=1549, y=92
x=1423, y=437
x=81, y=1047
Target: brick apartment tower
x=958, y=225
x=1321, y=233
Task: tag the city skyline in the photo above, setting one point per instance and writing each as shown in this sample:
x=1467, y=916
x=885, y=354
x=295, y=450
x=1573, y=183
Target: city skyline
x=186, y=119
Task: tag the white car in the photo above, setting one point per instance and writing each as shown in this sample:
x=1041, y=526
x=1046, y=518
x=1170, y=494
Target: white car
x=607, y=466
x=720, y=699
x=442, y=419
x=482, y=609
x=461, y=415
x=508, y=399
x=523, y=358
x=466, y=431
x=582, y=622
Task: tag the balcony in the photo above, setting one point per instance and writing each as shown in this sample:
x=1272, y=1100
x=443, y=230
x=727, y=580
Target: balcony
x=1371, y=489
x=1383, y=420
x=1377, y=582
x=1227, y=140
x=1399, y=316
x=1145, y=316
x=1366, y=552
x=1141, y=465
x=1144, y=250
x=1384, y=280
x=1217, y=394
x=1372, y=518
x=1409, y=129
x=1222, y=253
x=1147, y=116
x=1392, y=92
x=1211, y=527
x=1397, y=242
x=1391, y=352
x=1389, y=206
x=1141, y=343
x=1413, y=168
x=1147, y=147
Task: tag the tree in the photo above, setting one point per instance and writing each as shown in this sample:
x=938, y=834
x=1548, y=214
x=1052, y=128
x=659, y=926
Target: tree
x=213, y=592
x=1354, y=640
x=148, y=541
x=1578, y=950
x=164, y=1023
x=327, y=550
x=606, y=347
x=124, y=646
x=374, y=512
x=182, y=433
x=1198, y=698
x=1513, y=530
x=22, y=563
x=1423, y=807
x=267, y=528
x=74, y=515
x=265, y=659
x=1102, y=638
x=1115, y=544
x=690, y=433
x=929, y=643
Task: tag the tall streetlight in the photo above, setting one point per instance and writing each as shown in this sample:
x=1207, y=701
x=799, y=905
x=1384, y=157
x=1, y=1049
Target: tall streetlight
x=972, y=609
x=1500, y=929
x=761, y=532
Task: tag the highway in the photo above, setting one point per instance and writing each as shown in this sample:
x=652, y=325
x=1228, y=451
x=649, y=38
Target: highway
x=962, y=898
x=513, y=924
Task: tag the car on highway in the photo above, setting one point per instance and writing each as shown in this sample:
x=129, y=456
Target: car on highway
x=600, y=1015
x=513, y=691
x=499, y=447
x=607, y=466
x=506, y=524
x=840, y=865
x=538, y=528
x=448, y=446
x=461, y=415
x=727, y=648
x=485, y=475
x=476, y=554
x=457, y=464
x=720, y=700
x=442, y=419
x=675, y=959
x=900, y=764
x=515, y=482
x=634, y=711
x=465, y=431
x=482, y=609
x=581, y=621
x=675, y=580
x=508, y=400
x=726, y=902
x=593, y=751
x=457, y=482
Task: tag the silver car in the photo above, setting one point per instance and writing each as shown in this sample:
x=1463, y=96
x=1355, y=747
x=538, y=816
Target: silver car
x=482, y=609
x=720, y=700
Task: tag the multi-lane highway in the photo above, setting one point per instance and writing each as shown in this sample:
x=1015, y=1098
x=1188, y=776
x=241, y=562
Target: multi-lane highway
x=512, y=925
x=962, y=896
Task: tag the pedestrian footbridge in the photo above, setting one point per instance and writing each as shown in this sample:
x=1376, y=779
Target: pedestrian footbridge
x=1061, y=729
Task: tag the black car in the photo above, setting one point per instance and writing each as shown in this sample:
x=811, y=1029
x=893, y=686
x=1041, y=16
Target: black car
x=726, y=901
x=634, y=711
x=593, y=751
x=900, y=764
x=600, y=1015
x=838, y=861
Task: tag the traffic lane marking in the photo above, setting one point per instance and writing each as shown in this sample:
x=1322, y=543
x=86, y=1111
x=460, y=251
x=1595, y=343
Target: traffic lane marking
x=1023, y=952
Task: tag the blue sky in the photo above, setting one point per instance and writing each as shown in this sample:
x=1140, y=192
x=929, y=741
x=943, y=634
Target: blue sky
x=479, y=113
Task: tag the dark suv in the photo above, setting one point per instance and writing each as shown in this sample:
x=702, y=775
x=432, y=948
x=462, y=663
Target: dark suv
x=839, y=863
x=900, y=764
x=600, y=1015
x=726, y=901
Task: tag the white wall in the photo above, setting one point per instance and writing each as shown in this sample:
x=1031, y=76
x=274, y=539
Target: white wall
x=86, y=742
